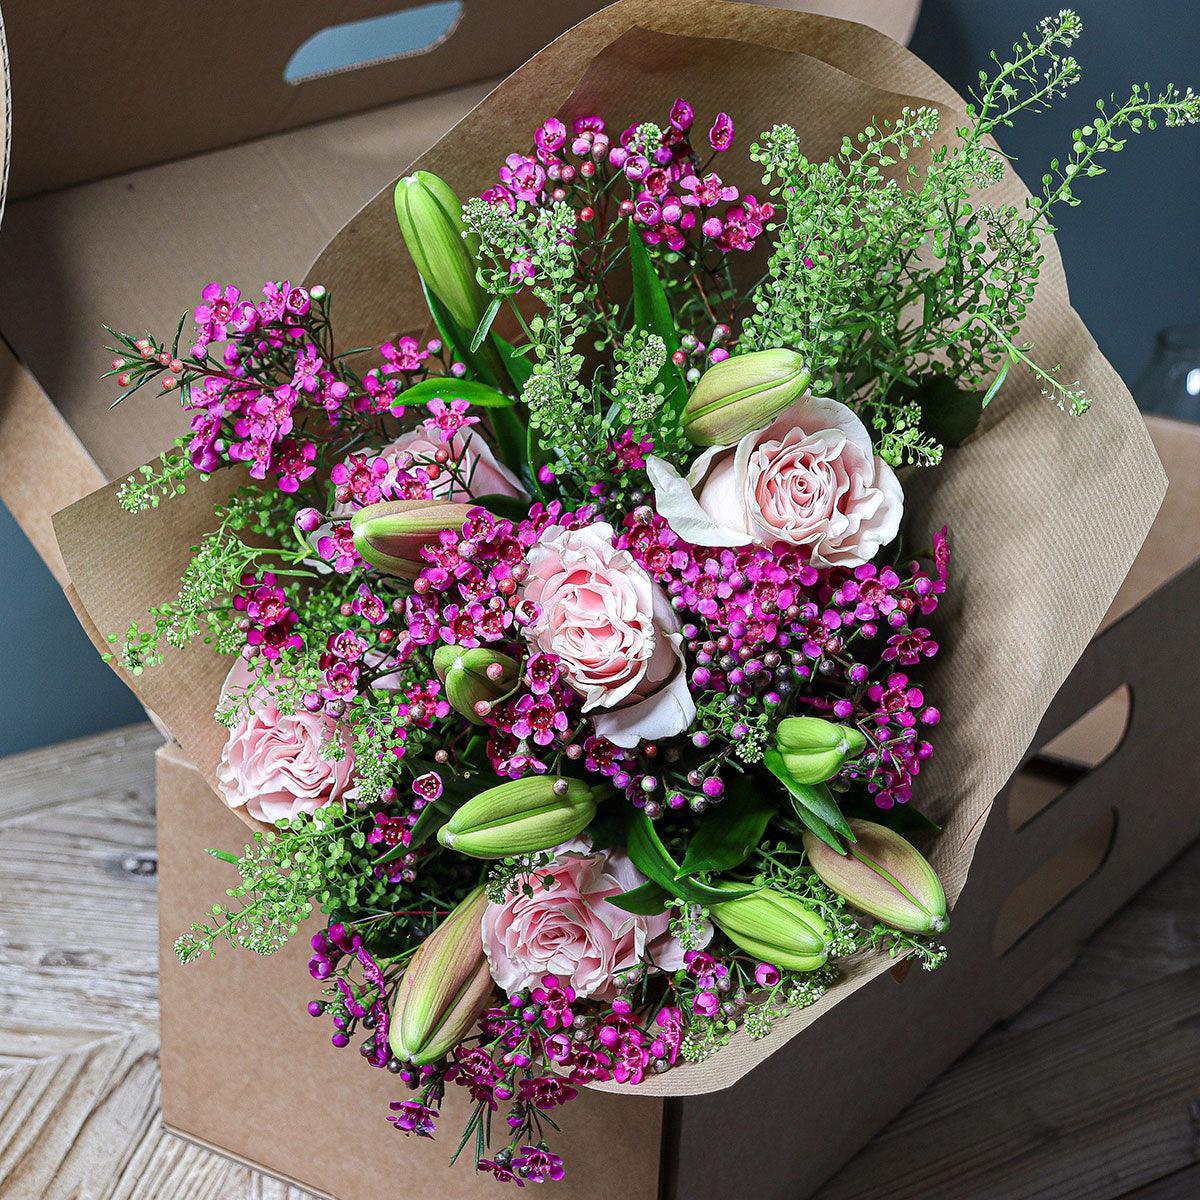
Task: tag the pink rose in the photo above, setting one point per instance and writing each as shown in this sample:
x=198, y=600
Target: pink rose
x=480, y=470
x=614, y=631
x=810, y=479
x=272, y=762
x=570, y=929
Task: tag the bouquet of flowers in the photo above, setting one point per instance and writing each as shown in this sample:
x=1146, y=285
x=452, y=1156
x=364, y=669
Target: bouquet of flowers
x=579, y=654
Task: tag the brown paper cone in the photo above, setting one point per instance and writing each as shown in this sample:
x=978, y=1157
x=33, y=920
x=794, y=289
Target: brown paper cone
x=1047, y=511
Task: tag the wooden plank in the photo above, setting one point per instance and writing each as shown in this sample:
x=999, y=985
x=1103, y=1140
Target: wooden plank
x=79, y=1101
x=1085, y=1108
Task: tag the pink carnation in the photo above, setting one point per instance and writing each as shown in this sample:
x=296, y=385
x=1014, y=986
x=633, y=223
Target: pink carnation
x=570, y=930
x=272, y=763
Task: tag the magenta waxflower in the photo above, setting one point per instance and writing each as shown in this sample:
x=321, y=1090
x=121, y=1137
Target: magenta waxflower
x=704, y=193
x=682, y=115
x=360, y=480
x=538, y=1164
x=403, y=355
x=720, y=136
x=293, y=462
x=337, y=547
x=524, y=176
x=550, y=136
x=445, y=420
x=214, y=315
x=412, y=1117
x=547, y=1091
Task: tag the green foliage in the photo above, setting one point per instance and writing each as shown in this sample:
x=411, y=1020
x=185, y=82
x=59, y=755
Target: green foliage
x=280, y=873
x=884, y=275
x=146, y=488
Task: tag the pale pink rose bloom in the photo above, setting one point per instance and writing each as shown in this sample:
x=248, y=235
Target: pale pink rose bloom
x=482, y=473
x=615, y=632
x=811, y=479
x=570, y=930
x=272, y=763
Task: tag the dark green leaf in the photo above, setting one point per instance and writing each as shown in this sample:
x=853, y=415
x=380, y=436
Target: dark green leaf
x=458, y=341
x=428, y=823
x=948, y=413
x=519, y=366
x=645, y=901
x=650, y=857
x=814, y=805
x=728, y=832
x=652, y=312
x=513, y=508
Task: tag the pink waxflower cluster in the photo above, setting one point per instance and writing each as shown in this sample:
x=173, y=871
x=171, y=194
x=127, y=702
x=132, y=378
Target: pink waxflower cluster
x=672, y=196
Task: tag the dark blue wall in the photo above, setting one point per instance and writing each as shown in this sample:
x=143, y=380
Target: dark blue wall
x=1132, y=254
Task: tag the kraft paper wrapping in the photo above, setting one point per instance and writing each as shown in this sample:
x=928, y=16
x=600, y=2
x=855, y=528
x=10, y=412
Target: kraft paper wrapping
x=1047, y=512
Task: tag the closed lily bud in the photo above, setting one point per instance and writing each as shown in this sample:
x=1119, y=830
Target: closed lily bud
x=390, y=535
x=882, y=875
x=813, y=749
x=520, y=817
x=445, y=989
x=740, y=394
x=774, y=927
x=474, y=677
x=431, y=222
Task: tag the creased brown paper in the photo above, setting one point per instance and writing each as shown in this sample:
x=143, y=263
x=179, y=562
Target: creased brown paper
x=1046, y=511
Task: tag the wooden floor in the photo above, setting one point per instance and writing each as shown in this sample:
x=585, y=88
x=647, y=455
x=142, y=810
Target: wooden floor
x=1092, y=1093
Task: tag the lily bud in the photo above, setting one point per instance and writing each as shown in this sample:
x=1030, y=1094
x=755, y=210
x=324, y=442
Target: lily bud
x=520, y=817
x=882, y=875
x=813, y=750
x=774, y=927
x=445, y=989
x=741, y=394
x=390, y=535
x=474, y=676
x=431, y=223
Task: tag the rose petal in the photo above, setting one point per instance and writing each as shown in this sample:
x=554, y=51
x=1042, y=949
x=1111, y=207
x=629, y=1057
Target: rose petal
x=675, y=503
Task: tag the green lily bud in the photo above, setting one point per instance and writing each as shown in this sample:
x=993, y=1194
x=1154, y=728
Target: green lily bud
x=390, y=535
x=774, y=927
x=431, y=223
x=474, y=677
x=814, y=750
x=743, y=393
x=883, y=875
x=520, y=817
x=445, y=989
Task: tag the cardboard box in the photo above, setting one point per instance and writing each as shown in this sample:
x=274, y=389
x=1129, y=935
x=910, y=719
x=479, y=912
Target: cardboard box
x=1069, y=844
x=242, y=1064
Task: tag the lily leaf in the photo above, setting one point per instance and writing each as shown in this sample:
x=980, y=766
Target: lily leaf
x=728, y=832
x=814, y=805
x=645, y=901
x=652, y=312
x=512, y=508
x=485, y=324
x=446, y=387
x=948, y=413
x=650, y=857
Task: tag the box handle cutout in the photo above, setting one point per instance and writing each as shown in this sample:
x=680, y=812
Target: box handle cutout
x=374, y=40
x=1084, y=745
x=1053, y=883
